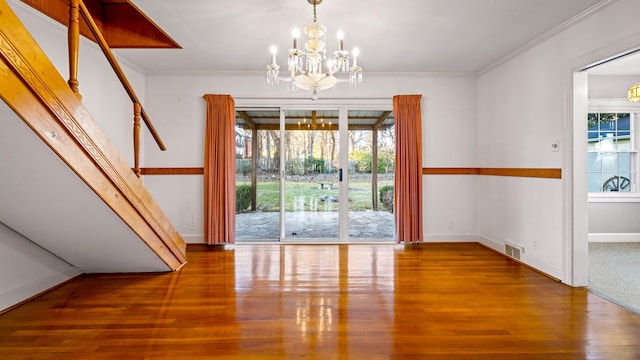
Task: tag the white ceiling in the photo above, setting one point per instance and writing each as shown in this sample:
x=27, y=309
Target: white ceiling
x=461, y=36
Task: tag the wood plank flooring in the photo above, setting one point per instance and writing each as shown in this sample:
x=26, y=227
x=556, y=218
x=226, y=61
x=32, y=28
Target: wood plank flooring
x=435, y=301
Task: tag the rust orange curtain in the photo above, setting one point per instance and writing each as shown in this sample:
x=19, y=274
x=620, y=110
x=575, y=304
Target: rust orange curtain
x=408, y=180
x=219, y=170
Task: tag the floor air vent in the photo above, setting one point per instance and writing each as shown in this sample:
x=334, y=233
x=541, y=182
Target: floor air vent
x=513, y=250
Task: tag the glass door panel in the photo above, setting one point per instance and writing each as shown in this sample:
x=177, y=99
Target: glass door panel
x=371, y=175
x=311, y=186
x=257, y=175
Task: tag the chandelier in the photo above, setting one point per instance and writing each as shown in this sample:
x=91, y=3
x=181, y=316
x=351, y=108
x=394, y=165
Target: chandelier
x=634, y=93
x=306, y=64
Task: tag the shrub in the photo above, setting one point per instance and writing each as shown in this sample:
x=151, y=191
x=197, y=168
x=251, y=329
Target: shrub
x=243, y=166
x=314, y=165
x=243, y=198
x=386, y=197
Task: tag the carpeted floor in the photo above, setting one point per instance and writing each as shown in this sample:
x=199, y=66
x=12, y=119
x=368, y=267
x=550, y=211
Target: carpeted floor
x=614, y=273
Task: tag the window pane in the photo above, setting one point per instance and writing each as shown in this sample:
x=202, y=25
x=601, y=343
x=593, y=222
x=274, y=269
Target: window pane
x=609, y=162
x=624, y=160
x=611, y=157
x=616, y=183
x=595, y=182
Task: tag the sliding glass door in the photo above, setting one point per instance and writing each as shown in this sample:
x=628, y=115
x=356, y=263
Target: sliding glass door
x=314, y=175
x=371, y=171
x=311, y=175
x=258, y=175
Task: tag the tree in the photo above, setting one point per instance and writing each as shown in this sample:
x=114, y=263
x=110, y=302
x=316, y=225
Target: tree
x=592, y=118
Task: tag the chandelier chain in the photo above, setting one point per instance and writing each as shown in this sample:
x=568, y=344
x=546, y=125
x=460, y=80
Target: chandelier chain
x=315, y=19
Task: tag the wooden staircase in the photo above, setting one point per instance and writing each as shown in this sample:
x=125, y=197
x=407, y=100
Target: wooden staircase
x=64, y=186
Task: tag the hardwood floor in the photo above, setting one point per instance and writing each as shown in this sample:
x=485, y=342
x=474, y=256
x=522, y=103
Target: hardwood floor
x=437, y=301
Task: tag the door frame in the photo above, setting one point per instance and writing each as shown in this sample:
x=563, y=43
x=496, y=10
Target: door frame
x=343, y=105
x=343, y=159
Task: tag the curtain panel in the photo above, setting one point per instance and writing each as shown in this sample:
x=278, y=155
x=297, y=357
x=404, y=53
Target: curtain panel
x=408, y=178
x=219, y=170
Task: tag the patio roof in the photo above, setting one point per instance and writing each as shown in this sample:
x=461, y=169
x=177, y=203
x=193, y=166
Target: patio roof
x=313, y=119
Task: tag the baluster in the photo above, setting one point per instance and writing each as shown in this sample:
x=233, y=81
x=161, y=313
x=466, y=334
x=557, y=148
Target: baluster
x=74, y=44
x=136, y=138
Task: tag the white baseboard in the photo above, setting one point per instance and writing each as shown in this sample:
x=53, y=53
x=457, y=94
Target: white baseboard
x=26, y=291
x=451, y=238
x=193, y=239
x=199, y=238
x=533, y=261
x=494, y=244
x=614, y=237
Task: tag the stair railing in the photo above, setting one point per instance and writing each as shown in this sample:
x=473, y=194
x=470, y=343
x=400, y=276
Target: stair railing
x=78, y=9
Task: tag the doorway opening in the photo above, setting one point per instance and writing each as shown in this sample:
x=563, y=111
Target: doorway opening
x=606, y=127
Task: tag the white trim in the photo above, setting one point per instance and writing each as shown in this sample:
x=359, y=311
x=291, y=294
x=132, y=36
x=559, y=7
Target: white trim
x=604, y=197
x=28, y=290
x=193, y=238
x=494, y=244
x=455, y=238
x=283, y=174
x=612, y=104
x=262, y=73
x=343, y=174
x=547, y=35
x=614, y=237
x=543, y=266
x=576, y=219
x=535, y=262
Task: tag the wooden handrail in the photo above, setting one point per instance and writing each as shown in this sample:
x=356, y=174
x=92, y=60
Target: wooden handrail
x=84, y=12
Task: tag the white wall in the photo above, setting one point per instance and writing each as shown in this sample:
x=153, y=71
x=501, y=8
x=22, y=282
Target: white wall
x=102, y=93
x=27, y=269
x=521, y=110
x=176, y=105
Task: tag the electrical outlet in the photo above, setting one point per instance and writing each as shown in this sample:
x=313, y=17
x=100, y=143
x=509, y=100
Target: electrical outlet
x=192, y=226
x=450, y=224
x=535, y=244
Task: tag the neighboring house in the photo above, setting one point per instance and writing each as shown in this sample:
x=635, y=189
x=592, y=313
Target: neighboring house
x=243, y=145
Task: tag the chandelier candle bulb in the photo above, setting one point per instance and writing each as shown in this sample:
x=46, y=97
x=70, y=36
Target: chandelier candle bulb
x=274, y=51
x=355, y=53
x=340, y=40
x=296, y=33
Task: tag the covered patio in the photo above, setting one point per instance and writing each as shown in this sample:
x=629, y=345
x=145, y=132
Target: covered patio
x=364, y=226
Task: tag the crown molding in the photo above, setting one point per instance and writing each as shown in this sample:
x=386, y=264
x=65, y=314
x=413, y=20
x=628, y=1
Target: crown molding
x=547, y=35
x=262, y=73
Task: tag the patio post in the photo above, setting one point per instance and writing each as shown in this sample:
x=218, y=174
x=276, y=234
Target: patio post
x=254, y=167
x=374, y=168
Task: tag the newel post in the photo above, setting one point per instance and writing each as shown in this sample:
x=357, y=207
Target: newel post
x=136, y=138
x=73, y=37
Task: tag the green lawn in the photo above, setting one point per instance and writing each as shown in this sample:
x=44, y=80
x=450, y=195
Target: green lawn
x=307, y=196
